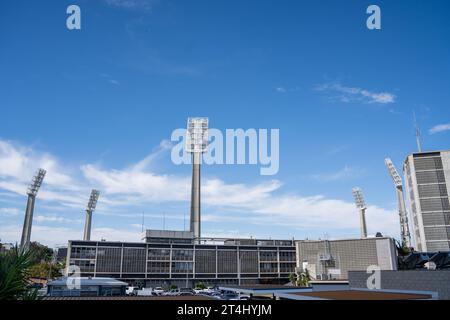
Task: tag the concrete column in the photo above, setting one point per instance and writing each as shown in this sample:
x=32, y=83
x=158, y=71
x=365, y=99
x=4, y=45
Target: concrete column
x=362, y=217
x=27, y=223
x=195, y=195
x=87, y=226
x=404, y=227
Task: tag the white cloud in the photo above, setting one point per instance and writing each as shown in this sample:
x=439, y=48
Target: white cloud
x=58, y=236
x=345, y=173
x=281, y=89
x=54, y=218
x=132, y=4
x=440, y=128
x=351, y=94
x=263, y=203
x=9, y=211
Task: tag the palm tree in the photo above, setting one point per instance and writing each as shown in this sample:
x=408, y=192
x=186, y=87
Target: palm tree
x=14, y=274
x=303, y=278
x=293, y=278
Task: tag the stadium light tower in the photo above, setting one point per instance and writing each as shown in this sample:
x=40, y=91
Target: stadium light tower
x=32, y=192
x=196, y=143
x=361, y=205
x=404, y=226
x=89, y=210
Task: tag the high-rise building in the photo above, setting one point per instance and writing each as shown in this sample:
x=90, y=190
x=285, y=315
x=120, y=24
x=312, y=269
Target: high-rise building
x=427, y=176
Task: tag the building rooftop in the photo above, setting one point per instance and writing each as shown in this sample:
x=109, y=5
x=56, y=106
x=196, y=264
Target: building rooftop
x=86, y=281
x=167, y=298
x=353, y=295
x=264, y=289
x=345, y=239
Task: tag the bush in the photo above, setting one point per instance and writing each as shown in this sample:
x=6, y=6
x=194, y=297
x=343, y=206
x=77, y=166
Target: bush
x=14, y=274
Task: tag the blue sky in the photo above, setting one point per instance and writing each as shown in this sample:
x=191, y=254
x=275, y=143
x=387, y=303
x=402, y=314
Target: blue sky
x=96, y=108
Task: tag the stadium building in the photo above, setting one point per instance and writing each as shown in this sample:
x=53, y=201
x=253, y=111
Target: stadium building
x=177, y=258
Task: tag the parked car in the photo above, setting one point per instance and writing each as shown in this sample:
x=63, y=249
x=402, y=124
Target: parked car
x=159, y=290
x=187, y=290
x=145, y=292
x=209, y=290
x=172, y=292
x=130, y=291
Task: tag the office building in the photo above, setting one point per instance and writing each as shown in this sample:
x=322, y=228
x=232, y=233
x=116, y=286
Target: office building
x=333, y=259
x=427, y=176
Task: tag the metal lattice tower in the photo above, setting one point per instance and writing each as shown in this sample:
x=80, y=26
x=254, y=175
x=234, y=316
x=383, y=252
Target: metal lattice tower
x=196, y=143
x=361, y=205
x=32, y=191
x=403, y=215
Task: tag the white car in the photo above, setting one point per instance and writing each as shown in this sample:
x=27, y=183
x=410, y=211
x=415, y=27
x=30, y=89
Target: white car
x=173, y=292
x=145, y=292
x=130, y=291
x=158, y=290
x=209, y=290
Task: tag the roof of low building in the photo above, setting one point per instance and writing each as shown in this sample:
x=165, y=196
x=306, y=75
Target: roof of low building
x=355, y=295
x=196, y=297
x=88, y=281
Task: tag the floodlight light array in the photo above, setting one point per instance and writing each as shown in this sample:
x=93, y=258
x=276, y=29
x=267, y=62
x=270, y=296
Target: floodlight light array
x=359, y=199
x=36, y=182
x=197, y=135
x=93, y=200
x=393, y=172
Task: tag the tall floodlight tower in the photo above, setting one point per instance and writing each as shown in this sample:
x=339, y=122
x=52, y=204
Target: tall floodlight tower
x=361, y=205
x=89, y=210
x=404, y=226
x=32, y=192
x=196, y=143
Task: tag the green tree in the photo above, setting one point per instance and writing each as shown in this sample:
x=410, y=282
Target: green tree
x=293, y=278
x=46, y=270
x=14, y=273
x=402, y=248
x=40, y=253
x=303, y=278
x=200, y=286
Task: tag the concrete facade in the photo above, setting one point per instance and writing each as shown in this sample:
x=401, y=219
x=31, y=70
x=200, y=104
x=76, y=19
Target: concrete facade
x=333, y=259
x=412, y=280
x=427, y=176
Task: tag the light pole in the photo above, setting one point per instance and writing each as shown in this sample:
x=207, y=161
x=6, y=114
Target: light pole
x=89, y=210
x=196, y=143
x=28, y=221
x=361, y=205
x=403, y=215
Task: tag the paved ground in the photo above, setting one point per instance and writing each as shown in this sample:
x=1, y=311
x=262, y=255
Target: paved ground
x=133, y=298
x=361, y=295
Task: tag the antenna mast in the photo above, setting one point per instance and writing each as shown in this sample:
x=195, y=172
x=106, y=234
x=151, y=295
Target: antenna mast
x=418, y=134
